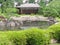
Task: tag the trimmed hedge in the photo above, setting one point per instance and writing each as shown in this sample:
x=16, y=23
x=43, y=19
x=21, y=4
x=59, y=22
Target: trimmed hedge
x=37, y=37
x=17, y=37
x=55, y=31
x=4, y=39
x=31, y=36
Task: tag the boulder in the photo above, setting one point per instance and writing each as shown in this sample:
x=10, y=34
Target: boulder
x=2, y=25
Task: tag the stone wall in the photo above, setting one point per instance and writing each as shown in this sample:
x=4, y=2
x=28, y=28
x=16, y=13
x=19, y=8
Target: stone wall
x=13, y=25
x=24, y=22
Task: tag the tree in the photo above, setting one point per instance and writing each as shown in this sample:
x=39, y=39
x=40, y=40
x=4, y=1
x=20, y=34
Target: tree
x=1, y=0
x=42, y=6
x=53, y=9
x=8, y=4
x=5, y=4
x=31, y=1
x=20, y=1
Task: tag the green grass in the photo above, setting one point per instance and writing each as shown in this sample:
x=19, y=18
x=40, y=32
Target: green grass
x=55, y=44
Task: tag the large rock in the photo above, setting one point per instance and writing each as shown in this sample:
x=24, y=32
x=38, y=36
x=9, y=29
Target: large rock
x=2, y=25
x=30, y=18
x=10, y=25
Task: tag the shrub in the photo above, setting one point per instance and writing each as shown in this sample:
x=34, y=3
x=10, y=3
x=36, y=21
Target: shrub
x=33, y=36
x=4, y=39
x=52, y=9
x=55, y=31
x=37, y=37
x=11, y=10
x=17, y=38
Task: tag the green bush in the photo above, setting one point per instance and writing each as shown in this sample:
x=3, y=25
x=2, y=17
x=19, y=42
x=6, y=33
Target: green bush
x=11, y=10
x=37, y=37
x=55, y=31
x=4, y=39
x=33, y=36
x=17, y=38
x=53, y=9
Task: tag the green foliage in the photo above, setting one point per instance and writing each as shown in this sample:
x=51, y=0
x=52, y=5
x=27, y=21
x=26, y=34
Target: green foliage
x=17, y=38
x=55, y=31
x=37, y=37
x=20, y=1
x=42, y=7
x=7, y=4
x=9, y=12
x=55, y=44
x=53, y=9
x=31, y=1
x=33, y=36
x=4, y=39
x=1, y=1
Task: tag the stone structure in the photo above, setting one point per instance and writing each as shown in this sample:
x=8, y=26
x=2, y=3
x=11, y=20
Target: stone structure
x=33, y=21
x=24, y=22
x=2, y=25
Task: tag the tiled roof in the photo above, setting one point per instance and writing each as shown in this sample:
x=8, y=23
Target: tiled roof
x=28, y=5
